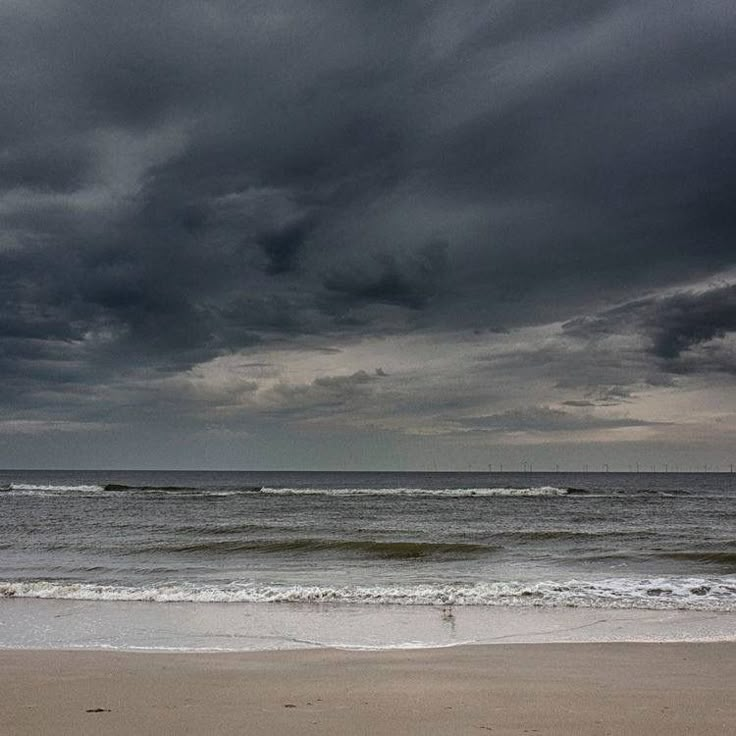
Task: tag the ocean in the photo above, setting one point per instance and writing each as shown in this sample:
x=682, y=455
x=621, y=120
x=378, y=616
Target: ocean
x=343, y=546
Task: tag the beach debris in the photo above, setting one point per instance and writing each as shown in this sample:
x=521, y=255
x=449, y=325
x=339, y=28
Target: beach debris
x=98, y=710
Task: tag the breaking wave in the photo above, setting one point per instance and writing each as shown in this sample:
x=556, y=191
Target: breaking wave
x=43, y=488
x=442, y=492
x=117, y=488
x=666, y=593
x=110, y=489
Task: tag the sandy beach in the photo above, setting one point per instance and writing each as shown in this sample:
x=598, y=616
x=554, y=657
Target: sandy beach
x=615, y=688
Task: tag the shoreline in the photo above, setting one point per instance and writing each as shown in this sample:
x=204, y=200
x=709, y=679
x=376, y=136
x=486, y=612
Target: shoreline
x=551, y=688
x=57, y=624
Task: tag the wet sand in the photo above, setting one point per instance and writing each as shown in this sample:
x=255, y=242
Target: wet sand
x=553, y=689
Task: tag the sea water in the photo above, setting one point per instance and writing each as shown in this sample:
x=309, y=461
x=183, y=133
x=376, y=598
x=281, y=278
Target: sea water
x=252, y=560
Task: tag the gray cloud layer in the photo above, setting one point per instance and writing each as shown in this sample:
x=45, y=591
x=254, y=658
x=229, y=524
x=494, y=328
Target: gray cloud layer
x=186, y=181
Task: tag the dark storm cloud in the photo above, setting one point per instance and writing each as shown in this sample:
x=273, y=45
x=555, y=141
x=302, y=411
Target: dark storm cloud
x=410, y=283
x=674, y=327
x=282, y=247
x=185, y=180
x=687, y=320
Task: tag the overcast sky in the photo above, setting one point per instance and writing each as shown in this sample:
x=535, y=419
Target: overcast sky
x=363, y=234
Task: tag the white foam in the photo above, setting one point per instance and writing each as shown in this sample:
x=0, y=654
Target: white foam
x=446, y=492
x=31, y=487
x=712, y=594
x=49, y=489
